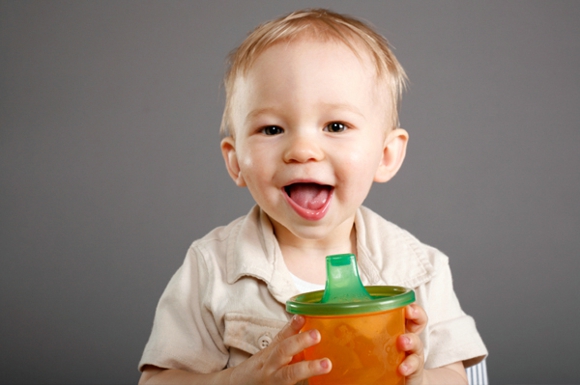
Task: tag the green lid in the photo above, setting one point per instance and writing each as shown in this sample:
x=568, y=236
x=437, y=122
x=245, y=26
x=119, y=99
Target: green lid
x=345, y=294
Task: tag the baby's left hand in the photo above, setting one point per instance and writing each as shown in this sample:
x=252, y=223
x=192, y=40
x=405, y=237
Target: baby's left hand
x=412, y=366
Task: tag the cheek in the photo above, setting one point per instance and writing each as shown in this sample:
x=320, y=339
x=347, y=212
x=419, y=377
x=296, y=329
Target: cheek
x=254, y=168
x=361, y=163
x=357, y=173
x=247, y=158
x=246, y=163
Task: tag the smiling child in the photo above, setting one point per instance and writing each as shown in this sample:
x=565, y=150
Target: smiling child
x=310, y=124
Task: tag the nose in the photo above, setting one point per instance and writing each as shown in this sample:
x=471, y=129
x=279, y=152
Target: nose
x=302, y=148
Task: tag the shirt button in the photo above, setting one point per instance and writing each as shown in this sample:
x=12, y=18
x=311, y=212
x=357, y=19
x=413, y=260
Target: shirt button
x=264, y=341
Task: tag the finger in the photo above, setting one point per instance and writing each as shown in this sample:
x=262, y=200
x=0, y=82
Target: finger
x=412, y=369
x=283, y=351
x=416, y=318
x=291, y=374
x=291, y=328
x=411, y=344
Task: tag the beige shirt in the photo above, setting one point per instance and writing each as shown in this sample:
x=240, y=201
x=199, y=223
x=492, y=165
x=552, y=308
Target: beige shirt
x=227, y=300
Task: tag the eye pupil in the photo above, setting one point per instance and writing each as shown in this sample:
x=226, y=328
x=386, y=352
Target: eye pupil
x=336, y=127
x=272, y=130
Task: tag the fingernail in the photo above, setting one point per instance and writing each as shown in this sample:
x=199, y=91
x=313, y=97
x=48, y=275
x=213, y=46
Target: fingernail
x=404, y=369
x=406, y=341
x=314, y=335
x=325, y=364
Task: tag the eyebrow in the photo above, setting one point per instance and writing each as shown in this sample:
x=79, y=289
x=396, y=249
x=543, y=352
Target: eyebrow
x=327, y=106
x=342, y=106
x=260, y=111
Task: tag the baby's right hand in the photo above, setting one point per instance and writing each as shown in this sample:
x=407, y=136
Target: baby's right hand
x=272, y=365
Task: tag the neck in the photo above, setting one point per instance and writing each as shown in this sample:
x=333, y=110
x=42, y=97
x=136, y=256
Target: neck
x=307, y=259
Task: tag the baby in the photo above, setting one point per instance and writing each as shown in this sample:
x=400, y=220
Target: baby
x=310, y=123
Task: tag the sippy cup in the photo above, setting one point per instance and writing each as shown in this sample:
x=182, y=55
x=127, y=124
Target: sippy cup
x=358, y=326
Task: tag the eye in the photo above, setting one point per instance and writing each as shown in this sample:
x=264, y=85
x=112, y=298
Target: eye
x=272, y=130
x=335, y=127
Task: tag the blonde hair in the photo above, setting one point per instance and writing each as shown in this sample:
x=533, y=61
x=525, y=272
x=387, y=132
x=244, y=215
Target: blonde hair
x=320, y=24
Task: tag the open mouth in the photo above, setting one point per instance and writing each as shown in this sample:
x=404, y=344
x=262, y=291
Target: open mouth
x=309, y=196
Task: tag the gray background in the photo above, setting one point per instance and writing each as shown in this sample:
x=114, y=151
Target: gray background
x=110, y=168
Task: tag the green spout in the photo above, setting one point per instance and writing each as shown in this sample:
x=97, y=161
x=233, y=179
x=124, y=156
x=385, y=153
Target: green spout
x=343, y=282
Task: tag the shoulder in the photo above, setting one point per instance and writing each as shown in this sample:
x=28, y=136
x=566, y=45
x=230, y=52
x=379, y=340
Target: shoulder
x=216, y=241
x=205, y=260
x=401, y=259
x=221, y=240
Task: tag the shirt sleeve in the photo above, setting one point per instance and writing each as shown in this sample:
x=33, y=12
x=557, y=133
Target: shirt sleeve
x=185, y=335
x=451, y=335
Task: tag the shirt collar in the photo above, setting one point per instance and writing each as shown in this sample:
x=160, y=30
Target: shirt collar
x=389, y=255
x=386, y=254
x=253, y=251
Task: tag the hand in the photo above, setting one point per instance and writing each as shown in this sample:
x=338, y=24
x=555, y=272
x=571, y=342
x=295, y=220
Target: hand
x=411, y=344
x=272, y=365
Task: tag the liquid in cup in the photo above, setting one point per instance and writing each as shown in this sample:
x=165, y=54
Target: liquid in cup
x=358, y=326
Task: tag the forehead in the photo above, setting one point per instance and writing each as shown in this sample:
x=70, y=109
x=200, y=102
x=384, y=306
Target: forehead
x=311, y=60
x=308, y=37
x=312, y=54
x=309, y=74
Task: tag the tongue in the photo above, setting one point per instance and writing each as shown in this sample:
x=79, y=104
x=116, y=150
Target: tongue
x=311, y=196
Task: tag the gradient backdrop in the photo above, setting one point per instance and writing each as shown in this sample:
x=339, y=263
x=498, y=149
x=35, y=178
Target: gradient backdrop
x=110, y=168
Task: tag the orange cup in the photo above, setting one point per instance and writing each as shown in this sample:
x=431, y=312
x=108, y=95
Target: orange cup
x=358, y=331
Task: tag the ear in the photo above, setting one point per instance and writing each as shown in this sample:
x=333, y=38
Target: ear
x=228, y=147
x=394, y=149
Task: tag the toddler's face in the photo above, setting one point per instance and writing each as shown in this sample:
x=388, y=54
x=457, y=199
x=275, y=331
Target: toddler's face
x=310, y=127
